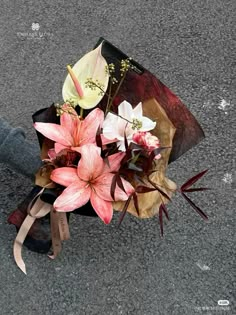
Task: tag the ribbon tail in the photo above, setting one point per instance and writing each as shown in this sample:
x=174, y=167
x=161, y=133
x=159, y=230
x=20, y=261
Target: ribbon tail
x=17, y=247
x=63, y=226
x=39, y=209
x=56, y=239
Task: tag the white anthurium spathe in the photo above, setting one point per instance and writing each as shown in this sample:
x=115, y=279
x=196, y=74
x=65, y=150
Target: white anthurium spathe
x=128, y=121
x=90, y=66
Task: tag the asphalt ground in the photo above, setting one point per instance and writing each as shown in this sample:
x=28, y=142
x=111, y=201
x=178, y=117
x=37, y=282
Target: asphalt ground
x=190, y=46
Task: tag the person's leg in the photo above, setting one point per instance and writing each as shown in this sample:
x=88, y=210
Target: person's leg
x=24, y=157
x=16, y=152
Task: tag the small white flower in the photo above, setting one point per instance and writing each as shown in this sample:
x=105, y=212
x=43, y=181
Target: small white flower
x=129, y=121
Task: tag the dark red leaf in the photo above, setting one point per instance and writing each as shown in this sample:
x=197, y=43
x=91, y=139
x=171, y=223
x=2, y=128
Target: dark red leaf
x=144, y=189
x=158, y=189
x=99, y=138
x=124, y=210
x=149, y=161
x=192, y=180
x=165, y=210
x=196, y=208
x=155, y=152
x=113, y=186
x=106, y=160
x=196, y=189
x=139, y=179
x=120, y=183
x=135, y=147
x=161, y=219
x=135, y=199
x=126, y=142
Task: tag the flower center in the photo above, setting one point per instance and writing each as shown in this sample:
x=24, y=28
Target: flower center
x=136, y=124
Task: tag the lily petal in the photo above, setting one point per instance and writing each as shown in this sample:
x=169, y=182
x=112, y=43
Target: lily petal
x=125, y=110
x=114, y=162
x=129, y=189
x=54, y=132
x=91, y=164
x=147, y=124
x=64, y=176
x=102, y=186
x=59, y=147
x=107, y=141
x=110, y=126
x=102, y=207
x=90, y=125
x=138, y=111
x=74, y=196
x=70, y=121
x=92, y=65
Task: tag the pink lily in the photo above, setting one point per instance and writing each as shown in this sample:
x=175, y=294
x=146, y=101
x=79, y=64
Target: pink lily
x=72, y=132
x=90, y=181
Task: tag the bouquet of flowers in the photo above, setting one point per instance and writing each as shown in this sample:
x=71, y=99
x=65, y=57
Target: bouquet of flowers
x=100, y=152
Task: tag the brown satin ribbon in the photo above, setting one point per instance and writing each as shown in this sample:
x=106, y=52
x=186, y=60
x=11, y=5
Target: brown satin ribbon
x=59, y=231
x=59, y=228
x=56, y=240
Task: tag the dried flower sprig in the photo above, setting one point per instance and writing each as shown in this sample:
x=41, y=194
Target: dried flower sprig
x=94, y=84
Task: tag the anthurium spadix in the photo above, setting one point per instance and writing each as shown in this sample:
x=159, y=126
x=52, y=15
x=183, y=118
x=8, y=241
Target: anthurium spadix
x=91, y=66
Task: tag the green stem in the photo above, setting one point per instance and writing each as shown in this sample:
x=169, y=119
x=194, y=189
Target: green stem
x=116, y=92
x=94, y=83
x=108, y=99
x=121, y=117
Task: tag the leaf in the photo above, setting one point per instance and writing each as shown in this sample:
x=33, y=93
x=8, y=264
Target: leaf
x=158, y=189
x=139, y=179
x=113, y=187
x=144, y=189
x=90, y=66
x=161, y=219
x=135, y=199
x=165, y=210
x=162, y=209
x=192, y=180
x=196, y=208
x=120, y=183
x=123, y=213
x=134, y=167
x=196, y=189
x=99, y=138
x=135, y=157
x=135, y=147
x=126, y=142
x=155, y=152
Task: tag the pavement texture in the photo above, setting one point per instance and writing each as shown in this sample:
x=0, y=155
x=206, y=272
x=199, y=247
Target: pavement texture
x=190, y=46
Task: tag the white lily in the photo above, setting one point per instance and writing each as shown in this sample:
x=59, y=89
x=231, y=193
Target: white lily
x=128, y=121
x=91, y=66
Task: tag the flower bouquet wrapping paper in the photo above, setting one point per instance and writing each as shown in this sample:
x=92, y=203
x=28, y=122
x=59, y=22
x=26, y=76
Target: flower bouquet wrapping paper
x=105, y=147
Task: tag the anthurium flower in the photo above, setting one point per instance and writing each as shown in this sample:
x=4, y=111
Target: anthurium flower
x=91, y=66
x=128, y=121
x=72, y=132
x=91, y=180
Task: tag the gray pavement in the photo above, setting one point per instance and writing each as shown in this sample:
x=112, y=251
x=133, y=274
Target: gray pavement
x=189, y=45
